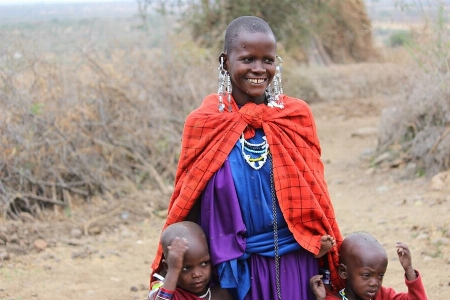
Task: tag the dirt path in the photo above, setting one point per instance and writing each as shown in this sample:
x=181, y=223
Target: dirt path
x=114, y=264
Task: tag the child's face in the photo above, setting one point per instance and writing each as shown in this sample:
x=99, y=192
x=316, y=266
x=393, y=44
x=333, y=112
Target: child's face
x=251, y=65
x=196, y=272
x=364, y=275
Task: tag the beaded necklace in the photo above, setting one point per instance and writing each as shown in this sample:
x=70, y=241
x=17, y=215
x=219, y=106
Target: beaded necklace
x=208, y=293
x=262, y=149
x=342, y=293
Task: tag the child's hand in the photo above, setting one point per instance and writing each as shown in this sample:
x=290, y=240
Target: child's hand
x=318, y=287
x=175, y=255
x=174, y=262
x=404, y=256
x=327, y=242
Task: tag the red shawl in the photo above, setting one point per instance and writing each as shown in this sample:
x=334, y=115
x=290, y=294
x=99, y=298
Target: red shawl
x=300, y=186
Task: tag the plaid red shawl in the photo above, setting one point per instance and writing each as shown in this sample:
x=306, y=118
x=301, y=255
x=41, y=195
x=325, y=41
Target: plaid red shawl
x=300, y=186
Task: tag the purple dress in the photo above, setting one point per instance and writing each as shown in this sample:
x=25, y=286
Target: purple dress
x=236, y=214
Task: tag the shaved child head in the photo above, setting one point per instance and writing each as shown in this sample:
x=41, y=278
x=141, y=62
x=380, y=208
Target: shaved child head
x=357, y=245
x=185, y=230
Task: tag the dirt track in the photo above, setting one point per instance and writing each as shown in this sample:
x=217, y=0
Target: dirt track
x=113, y=262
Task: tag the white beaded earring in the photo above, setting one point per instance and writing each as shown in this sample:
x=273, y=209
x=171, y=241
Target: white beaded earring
x=224, y=76
x=275, y=88
x=229, y=90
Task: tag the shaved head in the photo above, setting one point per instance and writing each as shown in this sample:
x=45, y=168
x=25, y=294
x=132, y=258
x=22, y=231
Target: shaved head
x=185, y=229
x=246, y=23
x=359, y=245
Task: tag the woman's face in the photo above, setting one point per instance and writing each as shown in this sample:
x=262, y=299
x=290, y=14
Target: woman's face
x=251, y=65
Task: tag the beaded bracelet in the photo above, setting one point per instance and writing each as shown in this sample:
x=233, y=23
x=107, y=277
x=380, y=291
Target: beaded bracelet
x=165, y=294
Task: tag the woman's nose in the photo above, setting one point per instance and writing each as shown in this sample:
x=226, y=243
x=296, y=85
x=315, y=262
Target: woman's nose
x=258, y=66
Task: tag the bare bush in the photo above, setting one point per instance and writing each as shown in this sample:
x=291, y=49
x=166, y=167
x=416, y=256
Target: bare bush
x=417, y=128
x=93, y=121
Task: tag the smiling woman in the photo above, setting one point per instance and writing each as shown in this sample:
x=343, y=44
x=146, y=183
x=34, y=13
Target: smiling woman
x=251, y=175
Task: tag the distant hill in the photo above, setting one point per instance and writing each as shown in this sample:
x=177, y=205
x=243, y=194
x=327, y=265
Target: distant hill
x=403, y=11
x=378, y=10
x=40, y=12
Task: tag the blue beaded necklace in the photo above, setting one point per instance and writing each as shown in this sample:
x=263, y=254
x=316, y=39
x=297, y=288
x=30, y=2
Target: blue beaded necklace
x=262, y=149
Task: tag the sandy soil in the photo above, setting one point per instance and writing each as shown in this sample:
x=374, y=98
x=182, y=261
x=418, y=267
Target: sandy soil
x=56, y=260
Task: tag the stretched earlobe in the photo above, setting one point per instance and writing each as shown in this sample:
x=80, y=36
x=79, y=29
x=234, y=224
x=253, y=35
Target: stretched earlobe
x=223, y=59
x=221, y=56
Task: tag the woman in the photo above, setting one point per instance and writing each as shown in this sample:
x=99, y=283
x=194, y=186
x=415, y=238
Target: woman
x=251, y=175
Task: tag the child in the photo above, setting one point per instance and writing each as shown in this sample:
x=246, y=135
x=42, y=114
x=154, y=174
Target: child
x=250, y=173
x=188, y=265
x=363, y=263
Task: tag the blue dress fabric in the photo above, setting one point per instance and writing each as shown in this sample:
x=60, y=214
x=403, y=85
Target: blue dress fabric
x=236, y=214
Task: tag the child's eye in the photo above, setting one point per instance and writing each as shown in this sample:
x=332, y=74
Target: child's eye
x=247, y=60
x=206, y=263
x=269, y=61
x=184, y=269
x=366, y=275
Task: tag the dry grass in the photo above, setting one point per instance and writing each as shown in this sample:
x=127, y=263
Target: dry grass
x=416, y=127
x=93, y=121
x=104, y=117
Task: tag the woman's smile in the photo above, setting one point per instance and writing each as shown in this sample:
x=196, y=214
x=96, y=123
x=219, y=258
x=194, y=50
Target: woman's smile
x=257, y=80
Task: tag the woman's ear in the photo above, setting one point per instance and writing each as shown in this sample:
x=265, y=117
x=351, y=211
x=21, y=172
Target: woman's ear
x=342, y=271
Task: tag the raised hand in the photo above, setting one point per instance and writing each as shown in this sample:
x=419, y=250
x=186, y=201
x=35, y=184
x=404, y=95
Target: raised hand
x=175, y=255
x=404, y=256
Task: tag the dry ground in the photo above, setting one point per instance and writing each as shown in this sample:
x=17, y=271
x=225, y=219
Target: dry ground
x=113, y=261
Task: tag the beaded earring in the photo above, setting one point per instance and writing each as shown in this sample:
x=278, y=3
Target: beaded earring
x=275, y=88
x=224, y=76
x=229, y=90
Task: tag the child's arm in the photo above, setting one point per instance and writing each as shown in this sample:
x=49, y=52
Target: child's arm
x=404, y=256
x=318, y=287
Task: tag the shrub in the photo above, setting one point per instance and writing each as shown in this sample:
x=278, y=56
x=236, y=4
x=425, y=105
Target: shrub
x=418, y=125
x=400, y=38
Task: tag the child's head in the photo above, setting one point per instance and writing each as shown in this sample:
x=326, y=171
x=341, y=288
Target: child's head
x=196, y=272
x=363, y=263
x=249, y=56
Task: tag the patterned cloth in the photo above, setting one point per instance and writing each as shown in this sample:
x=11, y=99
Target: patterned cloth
x=300, y=186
